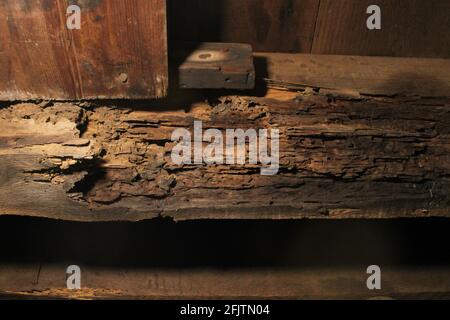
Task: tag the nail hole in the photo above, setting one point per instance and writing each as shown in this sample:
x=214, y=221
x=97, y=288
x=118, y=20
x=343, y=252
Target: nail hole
x=123, y=77
x=204, y=56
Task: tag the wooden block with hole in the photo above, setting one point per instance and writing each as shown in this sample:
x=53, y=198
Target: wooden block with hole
x=218, y=66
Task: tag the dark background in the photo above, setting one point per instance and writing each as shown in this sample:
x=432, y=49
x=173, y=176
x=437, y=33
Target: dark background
x=162, y=243
x=410, y=28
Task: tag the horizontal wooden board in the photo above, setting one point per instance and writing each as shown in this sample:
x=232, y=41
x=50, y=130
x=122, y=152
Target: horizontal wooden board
x=357, y=75
x=48, y=282
x=119, y=52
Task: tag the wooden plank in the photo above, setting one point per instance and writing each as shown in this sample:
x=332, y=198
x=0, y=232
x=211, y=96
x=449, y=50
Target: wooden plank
x=119, y=52
x=410, y=28
x=340, y=157
x=357, y=75
x=268, y=25
x=217, y=66
x=263, y=283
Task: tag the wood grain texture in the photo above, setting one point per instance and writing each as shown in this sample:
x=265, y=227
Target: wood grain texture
x=218, y=65
x=119, y=52
x=48, y=282
x=340, y=157
x=354, y=75
x=371, y=151
x=410, y=28
x=268, y=25
x=202, y=259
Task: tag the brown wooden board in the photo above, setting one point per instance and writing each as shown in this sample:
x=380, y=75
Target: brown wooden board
x=268, y=25
x=49, y=282
x=410, y=28
x=119, y=52
x=357, y=75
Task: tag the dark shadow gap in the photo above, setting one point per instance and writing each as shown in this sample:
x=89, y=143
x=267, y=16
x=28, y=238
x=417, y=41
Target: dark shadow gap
x=226, y=244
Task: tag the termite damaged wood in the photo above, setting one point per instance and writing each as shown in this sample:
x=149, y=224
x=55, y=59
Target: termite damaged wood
x=358, y=138
x=340, y=157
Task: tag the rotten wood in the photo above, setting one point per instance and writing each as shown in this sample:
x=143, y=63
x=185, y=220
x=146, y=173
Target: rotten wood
x=119, y=52
x=365, y=152
x=371, y=157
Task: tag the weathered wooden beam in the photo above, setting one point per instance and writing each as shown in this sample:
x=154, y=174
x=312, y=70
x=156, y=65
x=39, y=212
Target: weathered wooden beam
x=341, y=155
x=20, y=282
x=352, y=75
x=339, y=158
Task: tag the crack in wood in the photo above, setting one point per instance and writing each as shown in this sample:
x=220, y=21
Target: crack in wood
x=339, y=157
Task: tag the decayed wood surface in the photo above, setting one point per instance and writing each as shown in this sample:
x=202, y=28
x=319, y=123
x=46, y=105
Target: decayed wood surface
x=377, y=157
x=341, y=156
x=119, y=52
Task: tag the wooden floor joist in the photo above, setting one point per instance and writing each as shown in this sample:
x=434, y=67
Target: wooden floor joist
x=355, y=156
x=48, y=282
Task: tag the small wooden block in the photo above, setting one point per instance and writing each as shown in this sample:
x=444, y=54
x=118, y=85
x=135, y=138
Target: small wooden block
x=218, y=66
